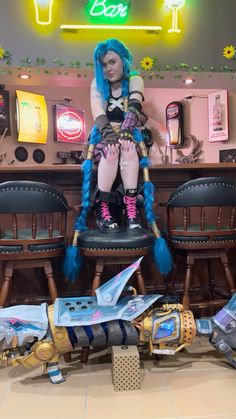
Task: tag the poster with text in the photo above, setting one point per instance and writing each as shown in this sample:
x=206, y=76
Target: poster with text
x=218, y=120
x=32, y=117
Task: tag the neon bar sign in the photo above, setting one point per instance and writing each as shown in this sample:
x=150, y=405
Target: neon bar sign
x=100, y=8
x=109, y=10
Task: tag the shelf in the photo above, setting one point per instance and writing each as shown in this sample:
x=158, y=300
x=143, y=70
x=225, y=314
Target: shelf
x=77, y=167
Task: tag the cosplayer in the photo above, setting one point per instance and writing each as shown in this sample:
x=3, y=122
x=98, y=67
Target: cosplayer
x=116, y=102
x=116, y=144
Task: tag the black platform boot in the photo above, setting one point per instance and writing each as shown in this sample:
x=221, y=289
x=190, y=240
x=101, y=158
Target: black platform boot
x=105, y=221
x=130, y=201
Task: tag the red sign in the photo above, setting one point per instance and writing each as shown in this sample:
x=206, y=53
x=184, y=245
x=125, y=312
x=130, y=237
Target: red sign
x=69, y=124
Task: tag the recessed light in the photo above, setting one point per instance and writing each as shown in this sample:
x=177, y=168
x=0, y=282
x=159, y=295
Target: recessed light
x=188, y=81
x=24, y=76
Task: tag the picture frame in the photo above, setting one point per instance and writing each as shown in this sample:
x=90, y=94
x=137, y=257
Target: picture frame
x=218, y=116
x=227, y=156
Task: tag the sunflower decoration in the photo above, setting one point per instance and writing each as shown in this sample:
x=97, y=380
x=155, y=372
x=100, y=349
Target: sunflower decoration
x=2, y=52
x=146, y=63
x=229, y=52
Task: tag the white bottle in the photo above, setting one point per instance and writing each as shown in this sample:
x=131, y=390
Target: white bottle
x=217, y=115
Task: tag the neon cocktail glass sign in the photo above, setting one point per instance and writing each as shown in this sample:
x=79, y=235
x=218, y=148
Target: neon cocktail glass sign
x=174, y=5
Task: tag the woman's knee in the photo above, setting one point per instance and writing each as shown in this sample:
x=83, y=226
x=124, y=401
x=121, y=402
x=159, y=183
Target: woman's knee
x=129, y=153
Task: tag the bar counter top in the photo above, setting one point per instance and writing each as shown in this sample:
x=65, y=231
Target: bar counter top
x=77, y=167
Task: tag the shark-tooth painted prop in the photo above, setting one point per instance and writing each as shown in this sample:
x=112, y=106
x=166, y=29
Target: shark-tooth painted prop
x=34, y=335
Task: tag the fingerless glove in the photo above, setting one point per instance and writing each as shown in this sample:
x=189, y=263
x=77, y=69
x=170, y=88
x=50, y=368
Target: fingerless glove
x=109, y=136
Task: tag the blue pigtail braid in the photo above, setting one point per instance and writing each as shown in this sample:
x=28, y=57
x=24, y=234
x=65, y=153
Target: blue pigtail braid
x=87, y=169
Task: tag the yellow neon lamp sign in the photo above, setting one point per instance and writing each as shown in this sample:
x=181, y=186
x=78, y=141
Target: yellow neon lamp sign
x=153, y=29
x=43, y=11
x=174, y=5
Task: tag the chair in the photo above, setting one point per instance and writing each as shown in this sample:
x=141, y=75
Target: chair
x=115, y=249
x=201, y=223
x=36, y=214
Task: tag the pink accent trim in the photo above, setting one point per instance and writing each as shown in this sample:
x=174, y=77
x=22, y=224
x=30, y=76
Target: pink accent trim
x=105, y=211
x=131, y=206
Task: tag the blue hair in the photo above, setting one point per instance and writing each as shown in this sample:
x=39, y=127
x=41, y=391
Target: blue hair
x=100, y=51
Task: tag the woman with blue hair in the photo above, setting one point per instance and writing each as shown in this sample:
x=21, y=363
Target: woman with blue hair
x=116, y=142
x=116, y=102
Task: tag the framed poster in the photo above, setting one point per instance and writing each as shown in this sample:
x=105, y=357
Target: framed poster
x=218, y=120
x=4, y=113
x=69, y=124
x=32, y=117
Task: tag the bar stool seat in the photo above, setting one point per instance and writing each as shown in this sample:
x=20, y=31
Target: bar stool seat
x=121, y=248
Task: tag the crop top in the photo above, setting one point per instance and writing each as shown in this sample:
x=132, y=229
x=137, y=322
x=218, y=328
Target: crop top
x=115, y=109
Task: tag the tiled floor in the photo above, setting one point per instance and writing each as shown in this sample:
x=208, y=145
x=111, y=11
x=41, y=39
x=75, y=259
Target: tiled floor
x=193, y=384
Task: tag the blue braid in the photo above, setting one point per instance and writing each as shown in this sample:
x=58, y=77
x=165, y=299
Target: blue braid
x=87, y=169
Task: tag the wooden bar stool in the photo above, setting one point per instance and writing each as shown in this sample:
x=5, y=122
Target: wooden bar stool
x=202, y=225
x=115, y=249
x=33, y=230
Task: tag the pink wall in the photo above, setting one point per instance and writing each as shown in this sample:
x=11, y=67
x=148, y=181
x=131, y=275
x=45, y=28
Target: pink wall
x=156, y=100
x=195, y=117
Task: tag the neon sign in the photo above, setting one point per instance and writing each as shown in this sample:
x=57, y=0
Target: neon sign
x=111, y=14
x=174, y=5
x=43, y=11
x=101, y=8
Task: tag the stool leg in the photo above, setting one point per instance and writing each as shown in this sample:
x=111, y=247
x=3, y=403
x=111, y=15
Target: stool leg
x=97, y=277
x=187, y=282
x=7, y=281
x=170, y=286
x=140, y=281
x=228, y=273
x=47, y=266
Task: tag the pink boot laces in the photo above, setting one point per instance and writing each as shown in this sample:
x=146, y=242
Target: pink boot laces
x=105, y=211
x=131, y=206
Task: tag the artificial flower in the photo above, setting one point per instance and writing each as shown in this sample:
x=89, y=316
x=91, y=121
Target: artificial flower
x=229, y=52
x=2, y=52
x=147, y=63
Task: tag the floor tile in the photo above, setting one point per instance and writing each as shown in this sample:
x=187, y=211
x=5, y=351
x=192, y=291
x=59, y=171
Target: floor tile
x=202, y=392
x=151, y=402
x=31, y=395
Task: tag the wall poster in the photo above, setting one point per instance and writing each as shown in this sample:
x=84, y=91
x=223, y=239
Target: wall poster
x=218, y=116
x=32, y=117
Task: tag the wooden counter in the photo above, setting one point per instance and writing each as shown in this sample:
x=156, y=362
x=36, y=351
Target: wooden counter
x=68, y=178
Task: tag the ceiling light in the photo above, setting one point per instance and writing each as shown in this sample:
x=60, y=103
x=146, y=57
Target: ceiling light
x=188, y=81
x=24, y=76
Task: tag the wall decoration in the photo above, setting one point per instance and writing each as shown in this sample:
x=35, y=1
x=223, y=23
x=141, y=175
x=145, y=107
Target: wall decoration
x=227, y=156
x=195, y=148
x=69, y=124
x=21, y=154
x=38, y=155
x=32, y=117
x=4, y=113
x=175, y=124
x=218, y=124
